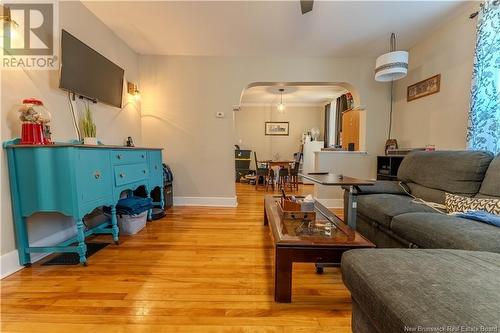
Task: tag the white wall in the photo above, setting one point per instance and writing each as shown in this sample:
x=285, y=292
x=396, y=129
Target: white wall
x=181, y=95
x=113, y=124
x=249, y=129
x=353, y=163
x=439, y=119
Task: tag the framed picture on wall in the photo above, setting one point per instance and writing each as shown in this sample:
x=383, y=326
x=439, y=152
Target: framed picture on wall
x=277, y=128
x=424, y=88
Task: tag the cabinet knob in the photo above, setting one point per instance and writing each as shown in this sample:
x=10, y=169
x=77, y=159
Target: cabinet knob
x=143, y=156
x=122, y=174
x=156, y=167
x=97, y=175
x=144, y=171
x=119, y=156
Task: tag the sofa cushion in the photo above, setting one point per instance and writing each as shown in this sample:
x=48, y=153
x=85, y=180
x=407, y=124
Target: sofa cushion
x=426, y=193
x=424, y=288
x=459, y=172
x=457, y=203
x=442, y=231
x=491, y=183
x=381, y=208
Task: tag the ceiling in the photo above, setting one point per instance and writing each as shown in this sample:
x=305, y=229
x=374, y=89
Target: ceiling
x=292, y=96
x=271, y=28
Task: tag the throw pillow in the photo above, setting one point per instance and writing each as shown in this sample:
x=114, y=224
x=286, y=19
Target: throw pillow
x=457, y=203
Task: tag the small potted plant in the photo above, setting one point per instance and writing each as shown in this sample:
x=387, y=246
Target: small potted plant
x=88, y=127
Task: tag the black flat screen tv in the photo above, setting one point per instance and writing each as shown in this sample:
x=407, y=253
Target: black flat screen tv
x=87, y=73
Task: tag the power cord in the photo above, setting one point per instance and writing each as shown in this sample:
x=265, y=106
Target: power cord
x=73, y=114
x=437, y=207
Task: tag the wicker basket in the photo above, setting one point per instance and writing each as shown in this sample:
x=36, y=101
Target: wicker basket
x=292, y=217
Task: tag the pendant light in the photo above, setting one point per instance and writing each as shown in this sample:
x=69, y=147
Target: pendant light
x=393, y=65
x=390, y=67
x=281, y=106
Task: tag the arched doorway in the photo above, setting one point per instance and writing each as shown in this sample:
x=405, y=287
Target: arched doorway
x=303, y=111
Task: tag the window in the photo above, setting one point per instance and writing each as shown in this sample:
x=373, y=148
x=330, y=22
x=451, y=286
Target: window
x=484, y=116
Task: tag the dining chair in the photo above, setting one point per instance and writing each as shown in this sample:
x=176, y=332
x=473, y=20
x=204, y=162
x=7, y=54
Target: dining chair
x=270, y=179
x=264, y=174
x=294, y=175
x=283, y=178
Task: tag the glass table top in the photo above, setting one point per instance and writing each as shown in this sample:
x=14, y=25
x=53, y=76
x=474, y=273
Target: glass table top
x=326, y=230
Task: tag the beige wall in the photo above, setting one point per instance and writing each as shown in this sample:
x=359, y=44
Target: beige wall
x=439, y=119
x=113, y=124
x=182, y=94
x=249, y=129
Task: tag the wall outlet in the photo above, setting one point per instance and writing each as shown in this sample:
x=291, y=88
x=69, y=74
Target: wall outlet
x=219, y=114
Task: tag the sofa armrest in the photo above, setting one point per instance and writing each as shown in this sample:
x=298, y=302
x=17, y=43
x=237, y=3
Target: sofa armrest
x=382, y=186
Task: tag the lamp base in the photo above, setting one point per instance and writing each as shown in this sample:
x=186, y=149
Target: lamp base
x=391, y=144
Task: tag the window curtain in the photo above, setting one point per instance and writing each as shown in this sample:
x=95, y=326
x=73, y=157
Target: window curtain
x=341, y=107
x=326, y=132
x=332, y=127
x=484, y=115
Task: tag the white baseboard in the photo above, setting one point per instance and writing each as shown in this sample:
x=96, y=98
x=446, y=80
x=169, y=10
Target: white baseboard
x=9, y=262
x=206, y=201
x=332, y=203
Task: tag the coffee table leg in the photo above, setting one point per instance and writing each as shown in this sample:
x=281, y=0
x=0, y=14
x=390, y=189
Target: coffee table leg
x=266, y=221
x=350, y=207
x=283, y=276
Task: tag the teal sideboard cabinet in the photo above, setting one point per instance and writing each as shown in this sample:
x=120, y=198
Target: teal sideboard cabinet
x=74, y=179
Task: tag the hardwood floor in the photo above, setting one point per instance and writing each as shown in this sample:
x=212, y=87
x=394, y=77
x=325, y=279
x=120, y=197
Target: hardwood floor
x=200, y=269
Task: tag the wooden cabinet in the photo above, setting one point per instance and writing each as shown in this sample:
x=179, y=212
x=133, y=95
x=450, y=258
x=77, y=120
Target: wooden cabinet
x=350, y=129
x=74, y=179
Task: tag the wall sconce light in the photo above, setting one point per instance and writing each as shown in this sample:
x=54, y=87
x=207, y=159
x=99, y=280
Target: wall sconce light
x=5, y=15
x=7, y=23
x=132, y=88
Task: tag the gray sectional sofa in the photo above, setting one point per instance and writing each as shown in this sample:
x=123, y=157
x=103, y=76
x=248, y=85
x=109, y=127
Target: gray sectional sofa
x=390, y=218
x=445, y=276
x=419, y=290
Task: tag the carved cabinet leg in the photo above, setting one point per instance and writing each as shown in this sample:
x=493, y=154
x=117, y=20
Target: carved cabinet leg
x=114, y=224
x=150, y=212
x=162, y=197
x=80, y=236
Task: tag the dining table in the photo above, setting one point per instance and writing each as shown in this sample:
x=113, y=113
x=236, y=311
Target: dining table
x=280, y=163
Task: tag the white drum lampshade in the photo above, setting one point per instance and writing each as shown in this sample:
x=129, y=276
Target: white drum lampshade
x=391, y=66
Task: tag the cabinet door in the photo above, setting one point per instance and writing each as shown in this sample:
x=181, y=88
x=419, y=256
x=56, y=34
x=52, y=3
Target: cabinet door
x=156, y=168
x=350, y=129
x=93, y=175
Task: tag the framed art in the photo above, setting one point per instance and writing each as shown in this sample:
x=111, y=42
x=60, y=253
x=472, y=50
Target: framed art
x=277, y=128
x=424, y=88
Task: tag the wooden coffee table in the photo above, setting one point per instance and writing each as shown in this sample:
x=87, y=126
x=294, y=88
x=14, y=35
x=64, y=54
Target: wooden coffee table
x=305, y=248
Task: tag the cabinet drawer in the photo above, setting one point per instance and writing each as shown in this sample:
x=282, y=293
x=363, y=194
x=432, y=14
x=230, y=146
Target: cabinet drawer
x=128, y=156
x=93, y=175
x=130, y=173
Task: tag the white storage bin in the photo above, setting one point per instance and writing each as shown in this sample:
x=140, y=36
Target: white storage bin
x=132, y=224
